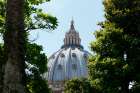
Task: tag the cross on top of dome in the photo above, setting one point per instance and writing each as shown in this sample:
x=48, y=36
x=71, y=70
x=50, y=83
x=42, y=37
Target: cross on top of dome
x=72, y=25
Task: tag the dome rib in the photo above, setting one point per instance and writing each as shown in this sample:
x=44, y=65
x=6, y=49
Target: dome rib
x=79, y=61
x=55, y=62
x=68, y=65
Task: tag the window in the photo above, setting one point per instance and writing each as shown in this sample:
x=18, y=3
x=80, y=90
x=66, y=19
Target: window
x=73, y=55
x=48, y=69
x=85, y=56
x=59, y=67
x=62, y=55
x=74, y=66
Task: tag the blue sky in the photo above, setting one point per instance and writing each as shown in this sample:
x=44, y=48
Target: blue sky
x=86, y=14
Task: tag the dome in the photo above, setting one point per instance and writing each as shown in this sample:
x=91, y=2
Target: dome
x=68, y=62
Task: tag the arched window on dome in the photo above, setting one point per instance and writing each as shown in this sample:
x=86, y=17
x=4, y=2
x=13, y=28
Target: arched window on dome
x=80, y=48
x=65, y=48
x=62, y=55
x=74, y=66
x=59, y=67
x=48, y=69
x=73, y=54
x=85, y=56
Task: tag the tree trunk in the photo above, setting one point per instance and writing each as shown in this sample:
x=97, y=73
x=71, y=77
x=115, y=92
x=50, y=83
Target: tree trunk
x=14, y=48
x=1, y=77
x=2, y=61
x=125, y=87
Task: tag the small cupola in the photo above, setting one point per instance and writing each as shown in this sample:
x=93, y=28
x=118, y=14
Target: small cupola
x=72, y=38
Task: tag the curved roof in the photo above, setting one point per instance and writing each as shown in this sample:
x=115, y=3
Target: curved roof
x=70, y=61
x=67, y=63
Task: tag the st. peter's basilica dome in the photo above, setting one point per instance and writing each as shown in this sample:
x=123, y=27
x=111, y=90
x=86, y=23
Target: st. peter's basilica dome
x=68, y=62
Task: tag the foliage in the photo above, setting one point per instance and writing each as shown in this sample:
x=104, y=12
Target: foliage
x=35, y=68
x=35, y=18
x=116, y=63
x=78, y=86
x=107, y=67
x=125, y=13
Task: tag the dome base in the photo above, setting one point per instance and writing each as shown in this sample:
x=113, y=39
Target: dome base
x=72, y=46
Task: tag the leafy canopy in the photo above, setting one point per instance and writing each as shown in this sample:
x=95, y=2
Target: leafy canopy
x=116, y=63
x=35, y=67
x=35, y=18
x=36, y=61
x=76, y=85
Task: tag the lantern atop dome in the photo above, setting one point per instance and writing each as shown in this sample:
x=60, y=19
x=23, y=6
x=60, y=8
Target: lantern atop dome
x=72, y=38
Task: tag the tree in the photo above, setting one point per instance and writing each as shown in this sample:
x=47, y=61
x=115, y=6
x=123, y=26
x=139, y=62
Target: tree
x=78, y=86
x=116, y=63
x=107, y=66
x=1, y=60
x=34, y=18
x=14, y=48
x=35, y=67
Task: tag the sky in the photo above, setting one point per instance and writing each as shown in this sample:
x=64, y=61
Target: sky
x=85, y=13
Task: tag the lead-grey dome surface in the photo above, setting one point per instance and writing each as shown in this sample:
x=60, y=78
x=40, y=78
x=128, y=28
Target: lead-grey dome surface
x=67, y=63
